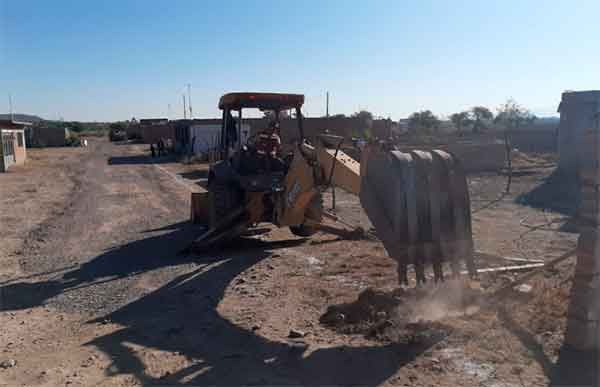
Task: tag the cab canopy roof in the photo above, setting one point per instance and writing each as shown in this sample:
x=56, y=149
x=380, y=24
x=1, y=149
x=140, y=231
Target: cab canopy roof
x=262, y=101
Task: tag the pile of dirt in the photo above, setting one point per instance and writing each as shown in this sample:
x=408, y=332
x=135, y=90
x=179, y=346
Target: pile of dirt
x=370, y=309
x=403, y=315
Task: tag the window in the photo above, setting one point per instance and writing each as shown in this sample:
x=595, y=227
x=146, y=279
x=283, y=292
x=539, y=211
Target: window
x=20, y=139
x=7, y=145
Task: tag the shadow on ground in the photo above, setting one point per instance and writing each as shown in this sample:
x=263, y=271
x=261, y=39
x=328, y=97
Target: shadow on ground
x=194, y=175
x=558, y=192
x=573, y=367
x=124, y=261
x=141, y=159
x=182, y=317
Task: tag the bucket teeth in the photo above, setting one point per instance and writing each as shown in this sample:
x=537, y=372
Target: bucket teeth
x=418, y=202
x=420, y=273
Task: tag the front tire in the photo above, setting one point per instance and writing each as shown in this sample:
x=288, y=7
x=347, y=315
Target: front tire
x=314, y=212
x=303, y=230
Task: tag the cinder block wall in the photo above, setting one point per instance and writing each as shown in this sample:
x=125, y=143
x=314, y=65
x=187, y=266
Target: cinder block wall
x=579, y=113
x=583, y=327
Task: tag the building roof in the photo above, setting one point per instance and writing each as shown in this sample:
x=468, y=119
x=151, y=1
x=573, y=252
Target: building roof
x=144, y=121
x=592, y=96
x=10, y=124
x=262, y=101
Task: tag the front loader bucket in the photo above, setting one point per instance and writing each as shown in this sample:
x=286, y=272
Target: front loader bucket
x=227, y=228
x=419, y=204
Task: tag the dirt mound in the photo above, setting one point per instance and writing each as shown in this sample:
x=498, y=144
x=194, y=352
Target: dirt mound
x=403, y=315
x=372, y=306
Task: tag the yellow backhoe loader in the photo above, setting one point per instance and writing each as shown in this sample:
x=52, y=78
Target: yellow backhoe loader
x=417, y=201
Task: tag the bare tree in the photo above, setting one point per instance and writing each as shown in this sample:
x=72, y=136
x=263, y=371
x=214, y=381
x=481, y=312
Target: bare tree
x=512, y=116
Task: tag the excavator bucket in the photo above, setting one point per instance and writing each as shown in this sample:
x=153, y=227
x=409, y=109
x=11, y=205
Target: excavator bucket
x=419, y=204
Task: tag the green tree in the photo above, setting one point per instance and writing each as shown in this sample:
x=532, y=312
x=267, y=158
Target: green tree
x=461, y=120
x=481, y=118
x=75, y=126
x=117, y=126
x=423, y=120
x=365, y=119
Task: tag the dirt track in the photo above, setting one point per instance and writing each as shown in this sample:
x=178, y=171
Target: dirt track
x=94, y=292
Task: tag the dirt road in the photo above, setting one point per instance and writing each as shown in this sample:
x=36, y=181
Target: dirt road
x=94, y=293
x=101, y=296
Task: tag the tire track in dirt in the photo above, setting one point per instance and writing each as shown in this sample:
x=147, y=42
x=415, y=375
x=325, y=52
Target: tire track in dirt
x=121, y=222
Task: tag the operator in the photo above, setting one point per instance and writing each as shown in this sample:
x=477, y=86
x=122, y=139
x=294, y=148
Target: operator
x=268, y=141
x=268, y=146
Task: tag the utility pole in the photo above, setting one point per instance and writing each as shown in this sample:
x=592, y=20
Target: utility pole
x=10, y=107
x=189, y=87
x=327, y=106
x=184, y=108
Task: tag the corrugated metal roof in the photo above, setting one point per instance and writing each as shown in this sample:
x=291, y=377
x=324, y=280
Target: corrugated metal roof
x=10, y=124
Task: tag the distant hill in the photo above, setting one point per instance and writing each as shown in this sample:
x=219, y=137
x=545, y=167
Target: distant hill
x=21, y=117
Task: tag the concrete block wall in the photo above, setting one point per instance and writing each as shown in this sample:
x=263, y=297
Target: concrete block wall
x=534, y=139
x=583, y=325
x=579, y=114
x=474, y=157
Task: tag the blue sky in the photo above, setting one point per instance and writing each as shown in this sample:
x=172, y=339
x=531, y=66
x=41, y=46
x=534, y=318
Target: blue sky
x=113, y=60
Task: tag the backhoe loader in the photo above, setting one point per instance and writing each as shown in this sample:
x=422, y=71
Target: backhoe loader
x=417, y=201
